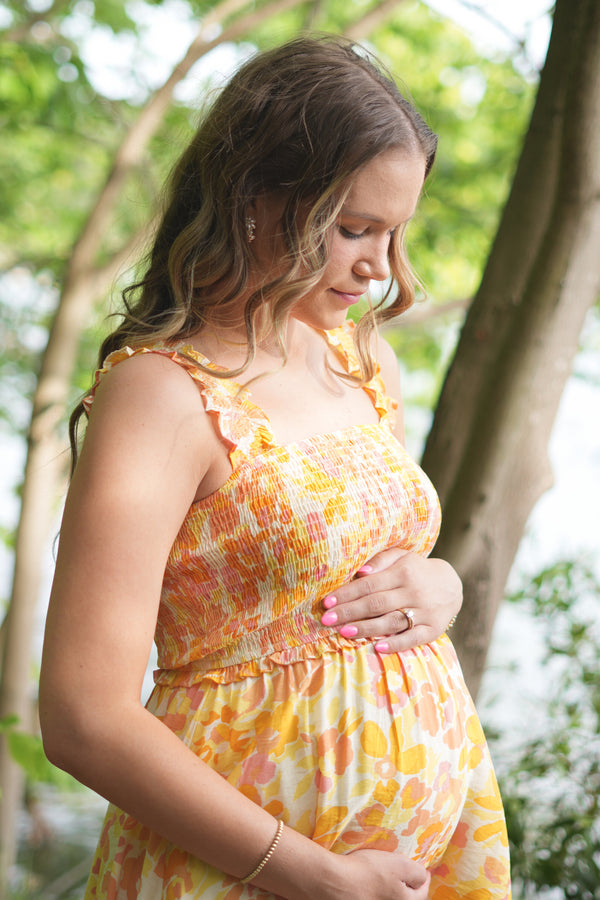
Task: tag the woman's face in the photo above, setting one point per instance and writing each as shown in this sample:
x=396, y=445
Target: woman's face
x=383, y=195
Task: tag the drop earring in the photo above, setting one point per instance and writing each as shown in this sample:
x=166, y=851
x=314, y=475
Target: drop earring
x=250, y=228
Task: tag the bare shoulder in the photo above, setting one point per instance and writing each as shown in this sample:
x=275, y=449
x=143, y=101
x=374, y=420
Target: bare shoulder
x=148, y=420
x=147, y=382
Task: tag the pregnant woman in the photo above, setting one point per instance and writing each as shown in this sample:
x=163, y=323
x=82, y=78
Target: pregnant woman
x=243, y=497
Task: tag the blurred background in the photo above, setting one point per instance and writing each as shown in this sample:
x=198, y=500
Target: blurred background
x=500, y=360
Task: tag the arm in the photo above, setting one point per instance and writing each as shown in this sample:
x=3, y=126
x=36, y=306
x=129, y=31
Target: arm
x=371, y=604
x=149, y=445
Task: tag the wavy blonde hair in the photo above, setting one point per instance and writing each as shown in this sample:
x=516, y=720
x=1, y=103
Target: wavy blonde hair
x=297, y=122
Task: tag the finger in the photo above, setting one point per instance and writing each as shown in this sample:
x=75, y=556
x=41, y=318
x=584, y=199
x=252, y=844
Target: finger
x=420, y=892
x=393, y=623
x=376, y=575
x=407, y=640
x=382, y=560
x=373, y=605
x=390, y=579
x=415, y=876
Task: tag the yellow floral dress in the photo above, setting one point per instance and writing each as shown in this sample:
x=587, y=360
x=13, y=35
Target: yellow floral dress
x=351, y=748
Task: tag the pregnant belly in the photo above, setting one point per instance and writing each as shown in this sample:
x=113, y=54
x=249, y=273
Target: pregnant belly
x=352, y=749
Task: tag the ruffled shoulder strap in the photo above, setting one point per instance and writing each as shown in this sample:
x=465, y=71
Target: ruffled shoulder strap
x=242, y=426
x=342, y=341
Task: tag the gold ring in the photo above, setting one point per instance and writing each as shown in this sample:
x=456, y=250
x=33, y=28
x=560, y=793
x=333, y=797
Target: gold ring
x=410, y=618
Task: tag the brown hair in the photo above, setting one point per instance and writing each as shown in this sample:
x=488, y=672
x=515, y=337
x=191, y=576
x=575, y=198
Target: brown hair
x=298, y=121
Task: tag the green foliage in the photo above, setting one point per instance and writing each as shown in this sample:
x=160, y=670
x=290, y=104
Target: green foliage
x=25, y=313
x=61, y=135
x=551, y=789
x=480, y=108
x=8, y=723
x=58, y=141
x=27, y=750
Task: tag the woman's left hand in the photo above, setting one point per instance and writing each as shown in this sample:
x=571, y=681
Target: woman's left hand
x=372, y=604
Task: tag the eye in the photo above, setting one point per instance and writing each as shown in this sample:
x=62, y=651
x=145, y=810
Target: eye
x=350, y=235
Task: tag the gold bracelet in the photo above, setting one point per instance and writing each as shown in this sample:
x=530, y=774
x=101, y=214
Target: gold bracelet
x=266, y=857
x=451, y=622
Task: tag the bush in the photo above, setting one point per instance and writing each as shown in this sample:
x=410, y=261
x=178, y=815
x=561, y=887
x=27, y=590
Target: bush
x=551, y=788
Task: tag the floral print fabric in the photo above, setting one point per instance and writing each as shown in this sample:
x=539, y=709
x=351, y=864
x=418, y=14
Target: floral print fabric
x=350, y=748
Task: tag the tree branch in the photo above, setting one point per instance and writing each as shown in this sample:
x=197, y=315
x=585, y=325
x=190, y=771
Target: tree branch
x=103, y=276
x=131, y=149
x=418, y=313
x=371, y=20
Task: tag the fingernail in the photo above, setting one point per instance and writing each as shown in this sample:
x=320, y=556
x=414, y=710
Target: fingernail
x=382, y=647
x=349, y=631
x=364, y=570
x=330, y=618
x=328, y=602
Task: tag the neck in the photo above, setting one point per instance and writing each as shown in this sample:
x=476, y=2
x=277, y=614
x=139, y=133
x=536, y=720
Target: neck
x=228, y=344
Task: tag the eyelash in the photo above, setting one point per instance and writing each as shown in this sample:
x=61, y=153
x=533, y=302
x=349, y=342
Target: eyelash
x=353, y=236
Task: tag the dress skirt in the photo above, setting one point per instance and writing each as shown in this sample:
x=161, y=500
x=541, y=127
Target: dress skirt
x=354, y=750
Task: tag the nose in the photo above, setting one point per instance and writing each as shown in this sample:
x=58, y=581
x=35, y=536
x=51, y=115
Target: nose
x=374, y=261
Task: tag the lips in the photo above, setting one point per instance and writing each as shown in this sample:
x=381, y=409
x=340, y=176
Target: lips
x=347, y=298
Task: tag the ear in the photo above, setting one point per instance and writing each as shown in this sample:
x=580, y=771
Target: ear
x=267, y=210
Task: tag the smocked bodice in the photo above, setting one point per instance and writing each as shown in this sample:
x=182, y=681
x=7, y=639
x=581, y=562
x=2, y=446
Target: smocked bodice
x=247, y=573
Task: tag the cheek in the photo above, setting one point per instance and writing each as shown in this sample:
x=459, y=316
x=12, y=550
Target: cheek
x=343, y=255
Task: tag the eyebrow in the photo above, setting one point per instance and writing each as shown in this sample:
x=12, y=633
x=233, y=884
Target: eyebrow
x=355, y=214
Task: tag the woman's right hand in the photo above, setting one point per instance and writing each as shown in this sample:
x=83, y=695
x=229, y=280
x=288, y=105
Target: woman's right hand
x=366, y=875
x=381, y=875
x=301, y=869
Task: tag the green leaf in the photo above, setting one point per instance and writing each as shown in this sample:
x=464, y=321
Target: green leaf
x=8, y=722
x=28, y=751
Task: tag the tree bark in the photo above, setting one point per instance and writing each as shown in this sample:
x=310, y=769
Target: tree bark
x=487, y=450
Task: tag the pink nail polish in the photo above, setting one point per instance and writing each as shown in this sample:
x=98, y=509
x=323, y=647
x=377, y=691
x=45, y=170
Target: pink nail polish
x=328, y=602
x=382, y=647
x=364, y=570
x=349, y=631
x=330, y=618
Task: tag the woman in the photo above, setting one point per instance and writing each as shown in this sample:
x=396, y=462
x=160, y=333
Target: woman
x=242, y=493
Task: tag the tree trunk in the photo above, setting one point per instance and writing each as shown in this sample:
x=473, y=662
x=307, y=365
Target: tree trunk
x=42, y=475
x=487, y=450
